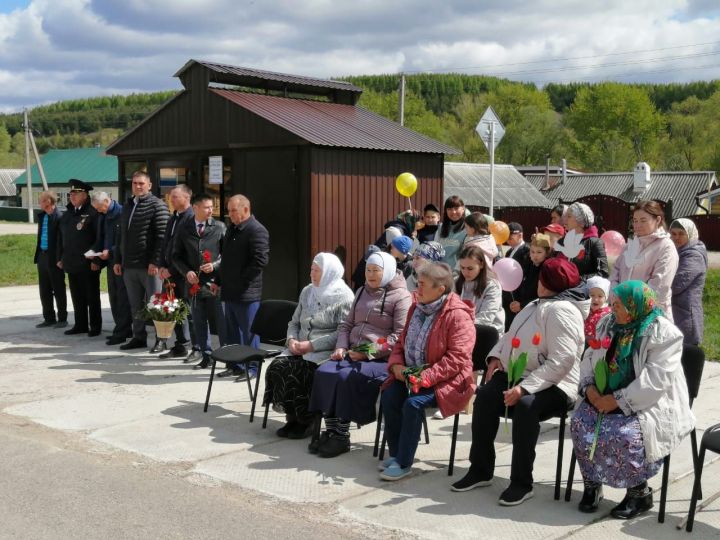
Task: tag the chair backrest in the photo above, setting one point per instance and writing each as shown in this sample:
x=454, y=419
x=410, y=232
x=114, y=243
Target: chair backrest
x=271, y=320
x=693, y=362
x=486, y=337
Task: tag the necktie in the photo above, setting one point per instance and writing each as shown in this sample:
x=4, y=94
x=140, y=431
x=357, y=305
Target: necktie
x=200, y=228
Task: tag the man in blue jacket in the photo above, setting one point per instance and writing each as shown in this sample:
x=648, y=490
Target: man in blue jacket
x=51, y=278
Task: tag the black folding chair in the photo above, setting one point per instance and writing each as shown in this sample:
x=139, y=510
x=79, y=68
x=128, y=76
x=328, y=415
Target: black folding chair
x=710, y=441
x=270, y=325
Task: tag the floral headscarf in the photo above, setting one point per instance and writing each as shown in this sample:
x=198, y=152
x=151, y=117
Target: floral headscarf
x=640, y=302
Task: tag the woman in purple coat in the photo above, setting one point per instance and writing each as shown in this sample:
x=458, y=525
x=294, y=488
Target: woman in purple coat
x=689, y=281
x=345, y=389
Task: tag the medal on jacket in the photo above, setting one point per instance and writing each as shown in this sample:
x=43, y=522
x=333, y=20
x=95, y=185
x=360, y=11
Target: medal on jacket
x=80, y=225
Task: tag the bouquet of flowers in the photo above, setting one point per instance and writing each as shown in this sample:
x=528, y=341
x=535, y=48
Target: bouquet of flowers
x=165, y=307
x=414, y=379
x=372, y=349
x=516, y=367
x=210, y=287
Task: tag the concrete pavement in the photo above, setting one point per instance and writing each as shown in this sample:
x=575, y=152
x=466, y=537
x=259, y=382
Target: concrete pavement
x=110, y=401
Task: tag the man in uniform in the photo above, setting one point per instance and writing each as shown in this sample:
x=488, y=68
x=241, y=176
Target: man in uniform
x=77, y=235
x=50, y=278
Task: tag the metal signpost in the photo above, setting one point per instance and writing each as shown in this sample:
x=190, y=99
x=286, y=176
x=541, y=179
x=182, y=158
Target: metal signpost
x=491, y=131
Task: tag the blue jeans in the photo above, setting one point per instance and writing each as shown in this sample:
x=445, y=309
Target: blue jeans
x=200, y=308
x=240, y=316
x=403, y=419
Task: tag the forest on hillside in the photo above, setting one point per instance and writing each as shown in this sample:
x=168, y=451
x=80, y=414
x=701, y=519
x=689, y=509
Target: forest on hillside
x=596, y=127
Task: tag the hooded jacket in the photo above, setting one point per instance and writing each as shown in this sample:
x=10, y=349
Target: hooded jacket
x=448, y=353
x=556, y=360
x=376, y=313
x=658, y=395
x=687, y=291
x=656, y=265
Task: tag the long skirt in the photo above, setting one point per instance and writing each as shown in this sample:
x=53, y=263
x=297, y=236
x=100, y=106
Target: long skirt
x=619, y=459
x=348, y=390
x=288, y=383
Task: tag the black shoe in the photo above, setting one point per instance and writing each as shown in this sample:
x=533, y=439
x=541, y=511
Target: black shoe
x=334, y=445
x=300, y=431
x=177, y=351
x=226, y=373
x=633, y=505
x=515, y=495
x=60, y=324
x=45, y=324
x=204, y=364
x=115, y=340
x=134, y=343
x=315, y=445
x=285, y=430
x=75, y=330
x=194, y=356
x=160, y=346
x=250, y=374
x=591, y=498
x=470, y=481
x=96, y=332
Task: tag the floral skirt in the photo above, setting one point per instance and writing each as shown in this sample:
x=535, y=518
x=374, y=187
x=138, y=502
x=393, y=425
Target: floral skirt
x=288, y=383
x=619, y=459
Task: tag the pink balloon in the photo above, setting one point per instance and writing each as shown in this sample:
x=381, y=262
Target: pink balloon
x=614, y=243
x=509, y=273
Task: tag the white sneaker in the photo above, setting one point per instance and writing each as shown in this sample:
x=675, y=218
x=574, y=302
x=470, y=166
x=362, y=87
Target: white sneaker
x=438, y=415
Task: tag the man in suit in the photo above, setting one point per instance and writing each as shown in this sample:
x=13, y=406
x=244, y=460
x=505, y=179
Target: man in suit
x=182, y=213
x=77, y=235
x=519, y=251
x=143, y=222
x=109, y=213
x=51, y=279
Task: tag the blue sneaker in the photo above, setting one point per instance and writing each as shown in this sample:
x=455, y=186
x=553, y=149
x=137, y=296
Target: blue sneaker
x=385, y=463
x=395, y=472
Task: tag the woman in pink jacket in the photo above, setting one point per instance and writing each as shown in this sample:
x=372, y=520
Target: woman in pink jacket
x=650, y=256
x=439, y=334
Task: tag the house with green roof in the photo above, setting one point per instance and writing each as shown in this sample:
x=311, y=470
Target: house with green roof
x=90, y=165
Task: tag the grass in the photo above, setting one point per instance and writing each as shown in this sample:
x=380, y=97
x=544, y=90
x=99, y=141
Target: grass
x=17, y=268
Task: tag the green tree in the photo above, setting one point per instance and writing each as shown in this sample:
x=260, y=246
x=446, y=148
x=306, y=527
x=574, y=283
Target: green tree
x=5, y=140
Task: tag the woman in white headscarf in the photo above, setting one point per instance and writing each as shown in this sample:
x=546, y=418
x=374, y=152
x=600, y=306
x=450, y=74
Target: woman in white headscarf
x=689, y=280
x=311, y=337
x=345, y=390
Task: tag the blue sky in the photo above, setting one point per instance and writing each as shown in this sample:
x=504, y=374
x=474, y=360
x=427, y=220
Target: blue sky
x=61, y=49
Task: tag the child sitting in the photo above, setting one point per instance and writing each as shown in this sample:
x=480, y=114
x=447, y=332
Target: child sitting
x=400, y=249
x=598, y=287
x=540, y=248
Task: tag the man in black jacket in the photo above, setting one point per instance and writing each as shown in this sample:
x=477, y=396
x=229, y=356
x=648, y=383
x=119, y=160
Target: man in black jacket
x=182, y=214
x=76, y=235
x=143, y=222
x=245, y=252
x=109, y=214
x=51, y=279
x=196, y=256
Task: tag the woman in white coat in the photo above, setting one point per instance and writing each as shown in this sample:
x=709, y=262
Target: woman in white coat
x=644, y=401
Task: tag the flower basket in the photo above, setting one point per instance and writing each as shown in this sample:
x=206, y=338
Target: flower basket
x=164, y=308
x=164, y=329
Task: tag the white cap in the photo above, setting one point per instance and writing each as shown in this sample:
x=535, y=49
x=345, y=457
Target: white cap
x=598, y=282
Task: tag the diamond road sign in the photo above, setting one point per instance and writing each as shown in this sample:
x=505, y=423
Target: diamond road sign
x=484, y=126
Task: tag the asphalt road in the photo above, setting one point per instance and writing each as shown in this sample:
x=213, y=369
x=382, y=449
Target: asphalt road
x=55, y=485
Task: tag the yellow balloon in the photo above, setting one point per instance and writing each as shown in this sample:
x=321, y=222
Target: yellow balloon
x=406, y=184
x=500, y=232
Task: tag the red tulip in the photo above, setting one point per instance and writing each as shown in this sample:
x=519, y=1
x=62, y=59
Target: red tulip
x=416, y=388
x=515, y=343
x=194, y=289
x=605, y=342
x=594, y=343
x=413, y=380
x=537, y=338
x=381, y=341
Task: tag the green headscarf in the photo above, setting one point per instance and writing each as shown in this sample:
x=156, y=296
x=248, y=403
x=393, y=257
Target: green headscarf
x=640, y=302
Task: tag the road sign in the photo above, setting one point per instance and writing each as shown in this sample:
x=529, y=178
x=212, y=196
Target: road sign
x=485, y=128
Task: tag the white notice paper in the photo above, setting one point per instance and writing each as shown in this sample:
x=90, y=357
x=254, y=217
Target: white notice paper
x=215, y=175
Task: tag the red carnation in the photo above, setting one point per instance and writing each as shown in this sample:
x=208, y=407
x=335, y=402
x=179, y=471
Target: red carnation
x=515, y=343
x=194, y=289
x=207, y=257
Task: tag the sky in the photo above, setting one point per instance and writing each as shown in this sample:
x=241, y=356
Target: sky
x=52, y=50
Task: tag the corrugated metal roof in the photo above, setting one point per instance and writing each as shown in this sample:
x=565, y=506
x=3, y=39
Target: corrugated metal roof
x=251, y=77
x=7, y=177
x=681, y=187
x=87, y=164
x=471, y=182
x=334, y=124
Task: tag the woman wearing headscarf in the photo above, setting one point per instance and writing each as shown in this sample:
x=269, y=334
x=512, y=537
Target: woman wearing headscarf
x=425, y=253
x=345, y=390
x=650, y=256
x=311, y=338
x=581, y=244
x=644, y=402
x=689, y=281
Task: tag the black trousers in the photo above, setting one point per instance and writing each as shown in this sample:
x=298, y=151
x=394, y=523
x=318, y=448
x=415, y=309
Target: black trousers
x=119, y=305
x=52, y=286
x=85, y=294
x=526, y=417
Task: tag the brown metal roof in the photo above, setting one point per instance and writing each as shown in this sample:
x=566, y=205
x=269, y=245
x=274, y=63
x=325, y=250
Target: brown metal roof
x=333, y=124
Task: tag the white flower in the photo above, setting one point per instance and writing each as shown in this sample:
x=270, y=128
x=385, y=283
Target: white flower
x=151, y=305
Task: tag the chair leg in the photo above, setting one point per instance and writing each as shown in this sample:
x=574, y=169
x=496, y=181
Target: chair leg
x=267, y=409
x=316, y=427
x=696, y=464
x=664, y=488
x=453, y=443
x=571, y=474
x=378, y=428
x=561, y=448
x=254, y=395
x=425, y=429
x=248, y=381
x=696, y=490
x=382, y=447
x=212, y=376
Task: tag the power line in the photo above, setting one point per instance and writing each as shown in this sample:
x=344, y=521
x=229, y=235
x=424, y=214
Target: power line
x=623, y=75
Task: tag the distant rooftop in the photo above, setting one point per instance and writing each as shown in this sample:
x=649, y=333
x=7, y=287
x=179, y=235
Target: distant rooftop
x=88, y=164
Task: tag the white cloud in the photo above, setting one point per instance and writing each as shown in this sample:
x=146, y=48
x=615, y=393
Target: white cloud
x=57, y=49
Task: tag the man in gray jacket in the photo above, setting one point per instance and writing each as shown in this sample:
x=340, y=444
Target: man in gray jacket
x=143, y=222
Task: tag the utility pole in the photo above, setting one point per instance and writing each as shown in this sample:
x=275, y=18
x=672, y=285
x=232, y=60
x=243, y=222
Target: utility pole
x=28, y=168
x=402, y=99
x=37, y=160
